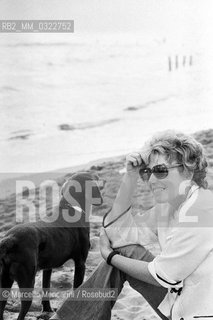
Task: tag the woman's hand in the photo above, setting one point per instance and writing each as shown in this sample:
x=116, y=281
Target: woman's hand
x=133, y=162
x=105, y=246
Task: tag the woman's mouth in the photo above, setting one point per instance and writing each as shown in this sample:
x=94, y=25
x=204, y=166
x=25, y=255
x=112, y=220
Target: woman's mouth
x=158, y=189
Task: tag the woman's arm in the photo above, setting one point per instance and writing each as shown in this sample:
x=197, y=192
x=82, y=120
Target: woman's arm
x=124, y=197
x=134, y=268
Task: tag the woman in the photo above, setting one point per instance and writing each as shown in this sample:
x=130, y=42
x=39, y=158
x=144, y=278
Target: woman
x=177, y=283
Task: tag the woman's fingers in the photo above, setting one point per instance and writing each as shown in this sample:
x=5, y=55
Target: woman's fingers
x=135, y=158
x=133, y=161
x=105, y=246
x=104, y=240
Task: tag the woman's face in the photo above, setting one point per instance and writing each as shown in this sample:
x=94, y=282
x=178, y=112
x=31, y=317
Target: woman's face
x=167, y=189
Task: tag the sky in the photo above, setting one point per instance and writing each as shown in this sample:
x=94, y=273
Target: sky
x=119, y=16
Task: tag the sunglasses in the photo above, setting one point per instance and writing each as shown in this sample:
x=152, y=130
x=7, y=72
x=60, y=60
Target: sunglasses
x=160, y=171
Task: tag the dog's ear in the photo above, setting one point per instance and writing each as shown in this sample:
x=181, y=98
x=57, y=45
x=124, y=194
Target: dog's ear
x=64, y=187
x=72, y=192
x=87, y=183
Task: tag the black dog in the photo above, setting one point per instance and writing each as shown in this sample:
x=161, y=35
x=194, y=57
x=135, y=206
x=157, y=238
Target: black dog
x=29, y=247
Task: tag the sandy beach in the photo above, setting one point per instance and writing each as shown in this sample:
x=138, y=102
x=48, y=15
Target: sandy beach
x=130, y=304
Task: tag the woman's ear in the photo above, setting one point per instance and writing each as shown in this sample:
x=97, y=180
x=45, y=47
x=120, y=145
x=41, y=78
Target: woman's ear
x=188, y=174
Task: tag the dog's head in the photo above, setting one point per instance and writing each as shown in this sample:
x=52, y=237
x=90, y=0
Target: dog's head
x=83, y=188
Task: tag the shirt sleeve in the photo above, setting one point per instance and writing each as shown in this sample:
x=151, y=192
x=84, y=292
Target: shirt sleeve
x=185, y=250
x=131, y=229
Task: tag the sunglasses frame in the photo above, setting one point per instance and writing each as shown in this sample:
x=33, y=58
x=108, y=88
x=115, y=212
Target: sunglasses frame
x=159, y=175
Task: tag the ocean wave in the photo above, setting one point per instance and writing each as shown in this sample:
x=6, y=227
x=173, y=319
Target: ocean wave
x=87, y=125
x=8, y=88
x=146, y=104
x=20, y=135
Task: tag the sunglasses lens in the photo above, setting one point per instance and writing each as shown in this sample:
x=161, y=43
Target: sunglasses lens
x=145, y=174
x=160, y=171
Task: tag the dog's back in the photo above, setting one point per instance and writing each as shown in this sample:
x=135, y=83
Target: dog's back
x=29, y=247
x=7, y=245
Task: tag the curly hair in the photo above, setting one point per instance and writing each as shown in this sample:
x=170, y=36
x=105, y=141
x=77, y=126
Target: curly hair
x=180, y=148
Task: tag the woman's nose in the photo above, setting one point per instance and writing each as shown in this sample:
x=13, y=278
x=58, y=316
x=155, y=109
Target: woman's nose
x=152, y=178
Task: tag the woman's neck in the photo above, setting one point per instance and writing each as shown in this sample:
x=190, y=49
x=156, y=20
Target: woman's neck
x=180, y=198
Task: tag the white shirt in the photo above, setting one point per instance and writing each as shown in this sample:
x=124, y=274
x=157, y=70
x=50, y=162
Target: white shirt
x=186, y=259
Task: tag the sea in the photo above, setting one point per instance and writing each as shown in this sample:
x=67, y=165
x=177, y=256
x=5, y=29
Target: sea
x=66, y=99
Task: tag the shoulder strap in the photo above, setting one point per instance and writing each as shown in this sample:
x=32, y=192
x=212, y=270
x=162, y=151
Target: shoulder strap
x=106, y=214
